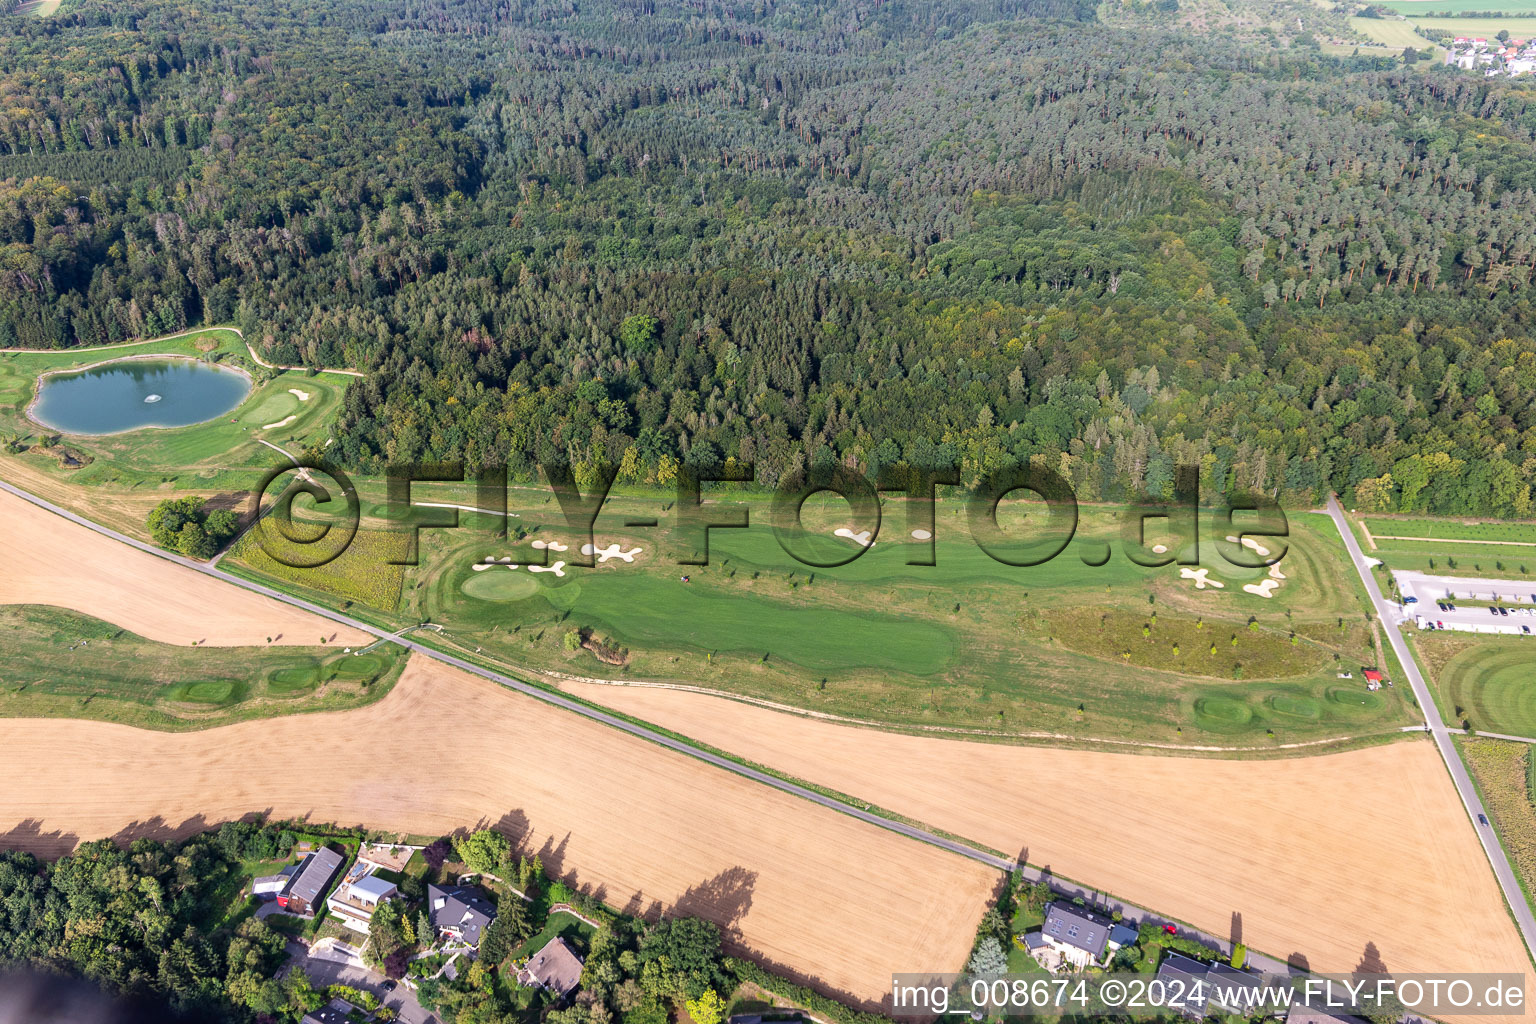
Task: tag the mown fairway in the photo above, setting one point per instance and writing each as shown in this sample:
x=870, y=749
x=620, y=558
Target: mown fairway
x=56, y=663
x=1065, y=648
x=1486, y=682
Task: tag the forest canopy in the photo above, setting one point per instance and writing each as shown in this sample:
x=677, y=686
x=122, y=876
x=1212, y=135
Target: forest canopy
x=798, y=233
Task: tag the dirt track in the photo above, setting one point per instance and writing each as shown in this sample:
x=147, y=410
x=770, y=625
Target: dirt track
x=49, y=560
x=830, y=898
x=1320, y=855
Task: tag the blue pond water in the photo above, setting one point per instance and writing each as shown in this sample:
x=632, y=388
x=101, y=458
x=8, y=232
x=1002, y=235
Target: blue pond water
x=133, y=393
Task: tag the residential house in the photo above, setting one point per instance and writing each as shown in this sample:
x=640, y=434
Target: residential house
x=1233, y=989
x=1300, y=1014
x=1183, y=980
x=359, y=895
x=335, y=1012
x=461, y=912
x=555, y=968
x=1075, y=935
x=306, y=885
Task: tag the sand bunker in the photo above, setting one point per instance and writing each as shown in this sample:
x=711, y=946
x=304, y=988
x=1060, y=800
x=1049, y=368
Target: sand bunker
x=1158, y=549
x=1258, y=549
x=861, y=538
x=302, y=396
x=1262, y=588
x=554, y=545
x=1201, y=577
x=611, y=551
x=921, y=535
x=558, y=568
x=1275, y=573
x=506, y=560
x=280, y=423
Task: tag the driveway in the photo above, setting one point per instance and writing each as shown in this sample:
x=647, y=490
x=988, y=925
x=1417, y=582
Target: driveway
x=323, y=970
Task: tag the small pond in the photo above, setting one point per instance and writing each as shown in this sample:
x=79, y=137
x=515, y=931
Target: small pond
x=131, y=393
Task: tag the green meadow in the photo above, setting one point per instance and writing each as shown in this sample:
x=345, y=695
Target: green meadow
x=58, y=663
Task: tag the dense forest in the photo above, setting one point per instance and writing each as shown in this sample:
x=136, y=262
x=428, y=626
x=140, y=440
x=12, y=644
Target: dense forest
x=799, y=232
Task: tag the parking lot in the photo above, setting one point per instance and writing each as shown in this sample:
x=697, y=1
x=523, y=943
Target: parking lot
x=1468, y=605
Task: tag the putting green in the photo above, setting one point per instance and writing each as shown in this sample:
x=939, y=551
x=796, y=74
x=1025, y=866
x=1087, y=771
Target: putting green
x=1222, y=714
x=288, y=682
x=273, y=406
x=358, y=666
x=208, y=691
x=1295, y=706
x=1354, y=700
x=501, y=584
x=1214, y=556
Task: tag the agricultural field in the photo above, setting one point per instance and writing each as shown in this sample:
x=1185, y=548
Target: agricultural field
x=1521, y=27
x=51, y=561
x=968, y=643
x=1171, y=832
x=1484, y=682
x=60, y=664
x=685, y=836
x=1450, y=547
x=1505, y=774
x=1389, y=32
x=1424, y=7
x=222, y=458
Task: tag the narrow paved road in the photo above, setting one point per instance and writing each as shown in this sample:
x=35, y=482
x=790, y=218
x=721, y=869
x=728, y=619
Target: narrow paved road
x=1385, y=610
x=613, y=721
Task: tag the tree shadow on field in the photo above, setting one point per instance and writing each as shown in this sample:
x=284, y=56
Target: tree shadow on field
x=1370, y=961
x=28, y=836
x=157, y=828
x=724, y=899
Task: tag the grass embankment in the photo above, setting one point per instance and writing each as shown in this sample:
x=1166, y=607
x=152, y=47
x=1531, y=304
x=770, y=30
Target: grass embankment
x=60, y=664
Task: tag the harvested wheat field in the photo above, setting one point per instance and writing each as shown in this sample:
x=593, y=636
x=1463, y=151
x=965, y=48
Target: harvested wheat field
x=838, y=902
x=50, y=560
x=1320, y=855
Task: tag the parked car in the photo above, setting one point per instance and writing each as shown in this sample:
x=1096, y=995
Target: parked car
x=1171, y=929
x=1493, y=611
x=1410, y=599
x=1503, y=610
x=1525, y=629
x=1439, y=624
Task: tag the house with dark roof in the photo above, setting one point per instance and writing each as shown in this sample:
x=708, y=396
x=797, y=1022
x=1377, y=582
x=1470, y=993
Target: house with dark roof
x=460, y=912
x=333, y=1013
x=1183, y=981
x=1076, y=935
x=555, y=968
x=306, y=885
x=1233, y=989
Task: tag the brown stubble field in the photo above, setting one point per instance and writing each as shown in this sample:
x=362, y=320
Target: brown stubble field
x=1319, y=855
x=49, y=560
x=832, y=900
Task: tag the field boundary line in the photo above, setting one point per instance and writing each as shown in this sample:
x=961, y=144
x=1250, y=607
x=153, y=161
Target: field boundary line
x=957, y=730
